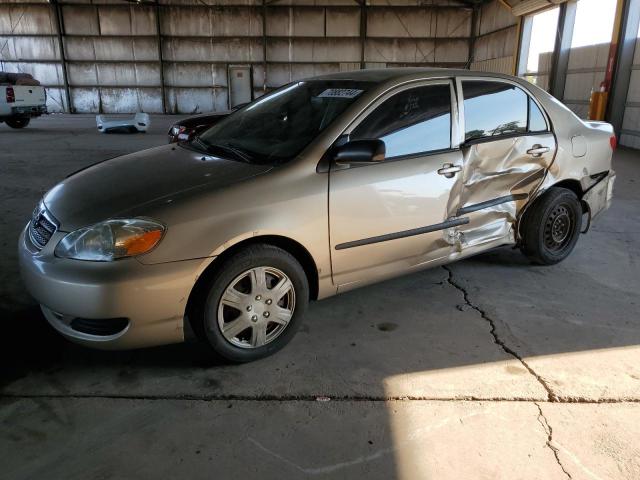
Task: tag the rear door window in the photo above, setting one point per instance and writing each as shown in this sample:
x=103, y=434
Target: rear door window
x=414, y=121
x=493, y=109
x=537, y=123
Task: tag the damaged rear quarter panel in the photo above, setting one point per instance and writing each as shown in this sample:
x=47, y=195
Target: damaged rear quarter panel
x=586, y=165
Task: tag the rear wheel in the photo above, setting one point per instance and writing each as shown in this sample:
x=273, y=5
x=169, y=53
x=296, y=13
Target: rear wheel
x=551, y=226
x=254, y=304
x=18, y=122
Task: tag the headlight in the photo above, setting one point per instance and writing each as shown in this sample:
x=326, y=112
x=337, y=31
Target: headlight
x=111, y=240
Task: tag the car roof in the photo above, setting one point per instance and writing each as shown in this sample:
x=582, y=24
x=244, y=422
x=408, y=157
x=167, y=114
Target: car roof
x=383, y=75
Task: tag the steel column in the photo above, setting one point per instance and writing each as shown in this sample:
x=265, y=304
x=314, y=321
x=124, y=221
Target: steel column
x=264, y=47
x=363, y=32
x=160, y=58
x=57, y=13
x=560, y=63
x=475, y=33
x=624, y=63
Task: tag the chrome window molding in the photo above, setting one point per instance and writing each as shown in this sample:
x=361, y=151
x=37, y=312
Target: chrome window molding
x=460, y=89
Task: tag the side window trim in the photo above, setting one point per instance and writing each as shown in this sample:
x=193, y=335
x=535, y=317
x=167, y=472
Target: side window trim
x=454, y=127
x=534, y=102
x=461, y=115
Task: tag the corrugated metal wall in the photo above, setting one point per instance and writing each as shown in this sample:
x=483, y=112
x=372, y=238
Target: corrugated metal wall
x=586, y=71
x=497, y=41
x=631, y=125
x=117, y=60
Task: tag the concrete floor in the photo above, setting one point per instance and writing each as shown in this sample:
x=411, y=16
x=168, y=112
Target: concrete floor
x=489, y=368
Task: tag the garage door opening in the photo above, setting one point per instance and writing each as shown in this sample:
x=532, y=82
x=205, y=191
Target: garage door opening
x=539, y=50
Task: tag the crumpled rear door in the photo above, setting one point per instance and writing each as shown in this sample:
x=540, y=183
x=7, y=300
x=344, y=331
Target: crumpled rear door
x=496, y=182
x=508, y=150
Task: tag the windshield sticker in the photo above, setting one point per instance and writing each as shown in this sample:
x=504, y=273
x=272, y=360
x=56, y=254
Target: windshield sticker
x=340, y=93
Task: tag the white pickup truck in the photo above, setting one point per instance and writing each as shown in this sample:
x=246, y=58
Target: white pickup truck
x=20, y=103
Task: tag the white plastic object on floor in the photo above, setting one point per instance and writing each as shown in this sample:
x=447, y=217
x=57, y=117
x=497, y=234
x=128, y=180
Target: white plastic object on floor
x=139, y=123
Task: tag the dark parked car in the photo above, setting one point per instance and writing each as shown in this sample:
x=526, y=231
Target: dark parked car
x=187, y=128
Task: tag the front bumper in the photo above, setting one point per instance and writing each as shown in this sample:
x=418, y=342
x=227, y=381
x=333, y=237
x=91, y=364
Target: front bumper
x=152, y=298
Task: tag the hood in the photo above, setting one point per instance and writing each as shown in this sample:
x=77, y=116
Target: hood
x=114, y=187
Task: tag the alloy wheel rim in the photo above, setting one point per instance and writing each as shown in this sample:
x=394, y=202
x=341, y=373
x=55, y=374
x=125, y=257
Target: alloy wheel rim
x=558, y=228
x=256, y=307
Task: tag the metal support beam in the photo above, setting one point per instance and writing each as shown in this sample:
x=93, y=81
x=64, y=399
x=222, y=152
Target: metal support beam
x=308, y=6
x=160, y=58
x=56, y=10
x=475, y=33
x=564, y=35
x=363, y=33
x=624, y=63
x=516, y=52
x=224, y=62
x=264, y=47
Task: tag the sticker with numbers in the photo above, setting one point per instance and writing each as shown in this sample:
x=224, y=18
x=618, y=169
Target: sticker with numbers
x=340, y=93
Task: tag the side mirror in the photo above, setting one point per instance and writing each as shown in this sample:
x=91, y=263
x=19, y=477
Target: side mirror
x=360, y=152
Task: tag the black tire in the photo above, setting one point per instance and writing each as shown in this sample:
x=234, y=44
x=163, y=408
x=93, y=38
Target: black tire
x=551, y=226
x=18, y=122
x=206, y=321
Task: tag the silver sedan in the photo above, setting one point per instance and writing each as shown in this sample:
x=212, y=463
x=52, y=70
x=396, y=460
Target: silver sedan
x=319, y=187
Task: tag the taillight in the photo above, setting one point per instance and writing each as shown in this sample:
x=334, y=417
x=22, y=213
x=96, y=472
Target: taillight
x=613, y=141
x=11, y=95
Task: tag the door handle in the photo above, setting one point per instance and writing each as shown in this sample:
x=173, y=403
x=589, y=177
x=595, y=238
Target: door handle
x=449, y=170
x=538, y=150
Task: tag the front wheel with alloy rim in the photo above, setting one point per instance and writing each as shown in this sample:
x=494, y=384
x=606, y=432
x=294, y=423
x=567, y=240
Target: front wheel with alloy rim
x=255, y=303
x=551, y=226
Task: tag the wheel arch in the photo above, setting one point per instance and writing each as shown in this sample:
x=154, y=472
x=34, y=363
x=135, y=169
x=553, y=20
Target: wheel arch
x=576, y=187
x=570, y=184
x=299, y=252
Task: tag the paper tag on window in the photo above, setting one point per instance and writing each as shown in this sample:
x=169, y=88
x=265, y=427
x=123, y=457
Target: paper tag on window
x=340, y=93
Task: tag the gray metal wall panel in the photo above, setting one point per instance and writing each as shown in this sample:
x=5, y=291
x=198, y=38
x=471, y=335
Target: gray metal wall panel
x=26, y=19
x=113, y=58
x=131, y=21
x=343, y=22
x=494, y=16
x=496, y=44
x=28, y=48
x=314, y=50
x=585, y=73
x=212, y=50
x=195, y=75
x=416, y=22
x=631, y=124
x=211, y=22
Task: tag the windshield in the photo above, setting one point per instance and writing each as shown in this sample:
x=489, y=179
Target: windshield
x=275, y=128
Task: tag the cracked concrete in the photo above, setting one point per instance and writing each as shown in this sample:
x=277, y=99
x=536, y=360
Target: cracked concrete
x=487, y=368
x=547, y=428
x=552, y=396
